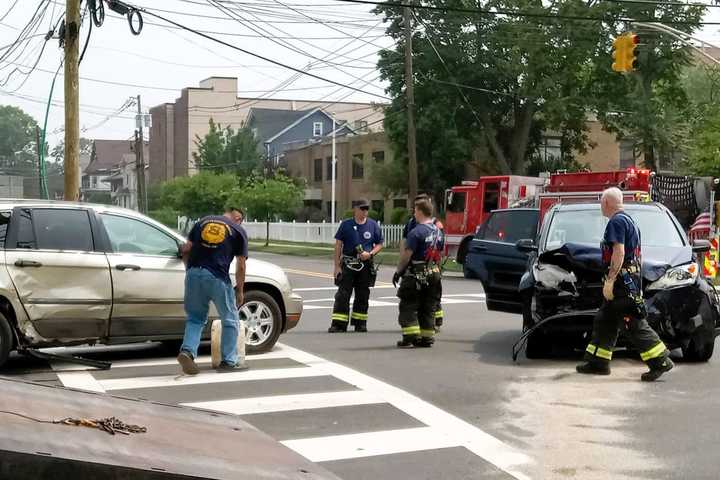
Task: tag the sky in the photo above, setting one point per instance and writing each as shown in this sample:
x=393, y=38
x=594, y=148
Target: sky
x=331, y=39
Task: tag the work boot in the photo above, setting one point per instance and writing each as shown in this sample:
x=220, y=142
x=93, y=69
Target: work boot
x=657, y=370
x=226, y=367
x=424, y=342
x=361, y=326
x=408, y=341
x=188, y=365
x=594, y=368
x=337, y=329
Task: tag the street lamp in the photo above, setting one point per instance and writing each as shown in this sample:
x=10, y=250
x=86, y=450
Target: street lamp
x=332, y=174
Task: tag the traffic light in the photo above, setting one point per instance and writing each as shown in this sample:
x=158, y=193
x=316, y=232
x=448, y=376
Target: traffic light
x=624, y=56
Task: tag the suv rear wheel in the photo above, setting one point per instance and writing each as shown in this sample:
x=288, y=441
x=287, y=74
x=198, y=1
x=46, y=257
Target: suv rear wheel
x=263, y=321
x=6, y=339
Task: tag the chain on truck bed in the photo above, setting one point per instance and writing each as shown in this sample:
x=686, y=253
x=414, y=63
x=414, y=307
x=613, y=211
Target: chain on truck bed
x=110, y=425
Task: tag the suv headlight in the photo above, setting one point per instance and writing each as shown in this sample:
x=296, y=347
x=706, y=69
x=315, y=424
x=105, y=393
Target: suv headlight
x=680, y=276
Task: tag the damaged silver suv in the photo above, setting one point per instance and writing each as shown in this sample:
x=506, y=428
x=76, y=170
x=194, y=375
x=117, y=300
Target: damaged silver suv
x=82, y=274
x=561, y=289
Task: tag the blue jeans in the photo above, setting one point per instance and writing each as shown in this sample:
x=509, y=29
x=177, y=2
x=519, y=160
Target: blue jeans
x=201, y=287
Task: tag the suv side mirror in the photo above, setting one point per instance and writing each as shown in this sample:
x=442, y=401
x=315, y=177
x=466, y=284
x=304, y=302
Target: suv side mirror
x=526, y=245
x=701, y=246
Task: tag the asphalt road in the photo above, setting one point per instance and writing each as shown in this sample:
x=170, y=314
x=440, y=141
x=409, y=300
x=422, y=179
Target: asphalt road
x=366, y=410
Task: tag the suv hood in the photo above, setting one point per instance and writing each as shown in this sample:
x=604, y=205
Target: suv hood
x=578, y=257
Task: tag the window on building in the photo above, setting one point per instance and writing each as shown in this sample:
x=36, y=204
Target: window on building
x=60, y=229
x=94, y=181
x=627, y=153
x=400, y=203
x=358, y=161
x=317, y=129
x=317, y=170
x=328, y=169
x=378, y=157
x=361, y=125
x=550, y=148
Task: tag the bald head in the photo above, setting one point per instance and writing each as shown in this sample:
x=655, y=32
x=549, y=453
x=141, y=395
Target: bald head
x=611, y=201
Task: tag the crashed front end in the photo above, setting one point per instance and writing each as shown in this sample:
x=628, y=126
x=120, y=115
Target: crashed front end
x=567, y=293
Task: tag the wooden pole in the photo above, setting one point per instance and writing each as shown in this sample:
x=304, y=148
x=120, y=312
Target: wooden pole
x=72, y=101
x=410, y=97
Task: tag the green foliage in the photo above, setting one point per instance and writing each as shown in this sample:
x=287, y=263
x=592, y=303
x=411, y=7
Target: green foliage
x=399, y=216
x=167, y=216
x=265, y=199
x=347, y=214
x=202, y=194
x=100, y=197
x=17, y=131
x=374, y=214
x=702, y=84
x=225, y=150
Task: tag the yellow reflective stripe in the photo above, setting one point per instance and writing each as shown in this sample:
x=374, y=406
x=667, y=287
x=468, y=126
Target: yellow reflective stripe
x=340, y=317
x=359, y=316
x=654, y=352
x=414, y=330
x=602, y=353
x=439, y=314
x=599, y=352
x=427, y=333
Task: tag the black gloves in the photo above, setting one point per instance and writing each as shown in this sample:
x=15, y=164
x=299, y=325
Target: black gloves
x=396, y=278
x=338, y=279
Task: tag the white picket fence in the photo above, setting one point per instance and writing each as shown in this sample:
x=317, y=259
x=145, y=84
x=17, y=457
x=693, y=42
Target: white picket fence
x=304, y=232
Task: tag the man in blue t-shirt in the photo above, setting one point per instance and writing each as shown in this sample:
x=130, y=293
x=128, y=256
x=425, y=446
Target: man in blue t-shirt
x=439, y=315
x=212, y=245
x=623, y=305
x=357, y=241
x=419, y=275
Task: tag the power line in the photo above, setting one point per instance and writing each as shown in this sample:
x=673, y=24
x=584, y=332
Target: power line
x=513, y=13
x=247, y=52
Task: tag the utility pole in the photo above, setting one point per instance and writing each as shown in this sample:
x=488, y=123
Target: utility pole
x=72, y=105
x=410, y=100
x=140, y=160
x=40, y=161
x=332, y=173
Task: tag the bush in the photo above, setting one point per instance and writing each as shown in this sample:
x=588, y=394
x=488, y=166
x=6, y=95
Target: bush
x=167, y=216
x=309, y=214
x=399, y=216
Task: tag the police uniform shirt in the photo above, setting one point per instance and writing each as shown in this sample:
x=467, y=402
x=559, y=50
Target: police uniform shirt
x=421, y=239
x=621, y=229
x=352, y=233
x=215, y=242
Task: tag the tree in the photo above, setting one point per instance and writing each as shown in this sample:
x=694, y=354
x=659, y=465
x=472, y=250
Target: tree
x=702, y=84
x=18, y=149
x=225, y=150
x=267, y=198
x=202, y=194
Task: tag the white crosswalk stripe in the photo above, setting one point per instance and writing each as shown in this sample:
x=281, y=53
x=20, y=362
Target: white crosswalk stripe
x=437, y=429
x=392, y=301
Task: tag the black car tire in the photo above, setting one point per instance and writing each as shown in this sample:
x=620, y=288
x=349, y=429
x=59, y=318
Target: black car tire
x=538, y=345
x=701, y=346
x=6, y=339
x=467, y=272
x=268, y=302
x=462, y=251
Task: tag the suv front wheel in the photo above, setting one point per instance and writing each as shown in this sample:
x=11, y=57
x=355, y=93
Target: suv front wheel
x=263, y=321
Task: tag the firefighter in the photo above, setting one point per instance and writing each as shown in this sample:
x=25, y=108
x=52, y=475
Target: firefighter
x=357, y=241
x=419, y=275
x=438, y=313
x=623, y=305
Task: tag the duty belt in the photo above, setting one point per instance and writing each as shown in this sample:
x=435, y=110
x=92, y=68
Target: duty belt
x=630, y=269
x=352, y=262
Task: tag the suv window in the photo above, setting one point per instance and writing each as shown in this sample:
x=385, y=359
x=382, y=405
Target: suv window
x=128, y=235
x=510, y=226
x=4, y=222
x=62, y=229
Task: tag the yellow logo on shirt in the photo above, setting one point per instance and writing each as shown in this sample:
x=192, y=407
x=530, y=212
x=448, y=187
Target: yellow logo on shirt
x=214, y=233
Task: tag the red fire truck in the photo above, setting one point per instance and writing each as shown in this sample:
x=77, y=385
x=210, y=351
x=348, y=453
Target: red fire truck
x=468, y=205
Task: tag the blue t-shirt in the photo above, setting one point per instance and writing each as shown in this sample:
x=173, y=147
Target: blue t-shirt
x=621, y=229
x=412, y=223
x=352, y=234
x=215, y=242
x=421, y=238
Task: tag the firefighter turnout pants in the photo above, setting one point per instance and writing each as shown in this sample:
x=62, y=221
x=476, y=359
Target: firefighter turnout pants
x=621, y=313
x=418, y=306
x=439, y=314
x=359, y=281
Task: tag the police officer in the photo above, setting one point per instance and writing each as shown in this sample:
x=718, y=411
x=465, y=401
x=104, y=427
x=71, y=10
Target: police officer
x=412, y=223
x=418, y=272
x=623, y=305
x=357, y=241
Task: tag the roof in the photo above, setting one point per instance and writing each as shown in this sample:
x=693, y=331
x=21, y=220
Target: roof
x=270, y=121
x=107, y=154
x=596, y=206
